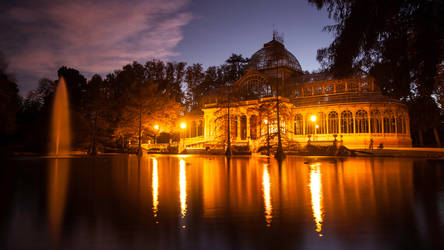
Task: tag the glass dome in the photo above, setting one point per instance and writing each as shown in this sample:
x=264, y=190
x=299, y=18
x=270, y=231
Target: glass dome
x=273, y=55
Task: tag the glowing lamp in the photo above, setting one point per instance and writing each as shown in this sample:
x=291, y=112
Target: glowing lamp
x=265, y=121
x=183, y=125
x=156, y=127
x=313, y=118
x=317, y=126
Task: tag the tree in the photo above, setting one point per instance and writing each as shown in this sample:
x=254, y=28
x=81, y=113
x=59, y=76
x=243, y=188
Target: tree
x=96, y=111
x=236, y=66
x=10, y=103
x=194, y=77
x=400, y=43
x=142, y=100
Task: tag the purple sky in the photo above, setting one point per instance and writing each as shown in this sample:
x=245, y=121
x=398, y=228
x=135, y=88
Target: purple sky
x=39, y=36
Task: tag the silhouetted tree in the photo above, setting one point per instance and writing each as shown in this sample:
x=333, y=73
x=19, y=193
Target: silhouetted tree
x=400, y=43
x=236, y=66
x=9, y=104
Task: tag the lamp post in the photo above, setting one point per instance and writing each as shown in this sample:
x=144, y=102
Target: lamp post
x=183, y=125
x=313, y=119
x=156, y=130
x=268, y=136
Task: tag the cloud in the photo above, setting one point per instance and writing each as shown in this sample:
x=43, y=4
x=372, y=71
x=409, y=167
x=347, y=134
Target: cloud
x=91, y=36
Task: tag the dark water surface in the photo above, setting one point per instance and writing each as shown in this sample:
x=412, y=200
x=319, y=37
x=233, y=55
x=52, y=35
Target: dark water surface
x=174, y=202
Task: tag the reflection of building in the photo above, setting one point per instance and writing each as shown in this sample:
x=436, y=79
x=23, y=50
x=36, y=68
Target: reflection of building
x=313, y=107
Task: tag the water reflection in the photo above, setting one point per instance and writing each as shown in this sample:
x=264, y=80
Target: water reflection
x=183, y=188
x=370, y=203
x=266, y=187
x=155, y=188
x=316, y=196
x=58, y=170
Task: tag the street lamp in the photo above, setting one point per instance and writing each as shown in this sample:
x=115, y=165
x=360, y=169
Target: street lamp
x=156, y=129
x=268, y=136
x=313, y=118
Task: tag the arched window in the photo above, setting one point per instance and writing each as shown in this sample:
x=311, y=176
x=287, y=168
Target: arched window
x=333, y=123
x=401, y=129
x=298, y=125
x=234, y=124
x=193, y=129
x=346, y=122
x=255, y=86
x=321, y=122
x=361, y=121
x=200, y=128
x=375, y=121
x=243, y=127
x=389, y=122
x=253, y=127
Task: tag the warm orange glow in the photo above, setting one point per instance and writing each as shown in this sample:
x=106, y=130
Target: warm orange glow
x=266, y=187
x=156, y=127
x=266, y=121
x=313, y=118
x=316, y=196
x=317, y=126
x=155, y=187
x=183, y=125
x=183, y=188
x=60, y=142
x=58, y=187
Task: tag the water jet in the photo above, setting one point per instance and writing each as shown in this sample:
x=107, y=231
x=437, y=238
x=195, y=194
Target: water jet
x=60, y=133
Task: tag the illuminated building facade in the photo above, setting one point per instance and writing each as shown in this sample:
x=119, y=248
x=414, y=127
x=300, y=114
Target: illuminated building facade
x=313, y=108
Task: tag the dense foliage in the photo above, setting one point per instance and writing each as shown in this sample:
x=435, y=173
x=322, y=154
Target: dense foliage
x=109, y=114
x=399, y=42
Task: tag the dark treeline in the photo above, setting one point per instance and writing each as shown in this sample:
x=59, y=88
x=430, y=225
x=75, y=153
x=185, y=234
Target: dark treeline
x=109, y=113
x=401, y=44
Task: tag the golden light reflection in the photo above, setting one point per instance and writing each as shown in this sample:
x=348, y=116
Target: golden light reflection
x=58, y=185
x=183, y=188
x=155, y=187
x=266, y=187
x=316, y=196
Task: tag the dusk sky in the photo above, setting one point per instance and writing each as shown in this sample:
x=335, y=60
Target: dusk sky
x=39, y=36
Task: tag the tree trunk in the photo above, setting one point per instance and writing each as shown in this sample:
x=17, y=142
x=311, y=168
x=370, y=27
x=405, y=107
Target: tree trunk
x=93, y=146
x=139, y=152
x=280, y=151
x=421, y=138
x=228, y=151
x=436, y=134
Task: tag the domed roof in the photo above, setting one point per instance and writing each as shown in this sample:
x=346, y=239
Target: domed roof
x=272, y=55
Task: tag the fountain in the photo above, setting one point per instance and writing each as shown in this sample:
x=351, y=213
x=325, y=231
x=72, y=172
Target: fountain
x=60, y=141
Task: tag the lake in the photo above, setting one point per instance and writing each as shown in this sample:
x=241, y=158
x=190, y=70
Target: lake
x=209, y=202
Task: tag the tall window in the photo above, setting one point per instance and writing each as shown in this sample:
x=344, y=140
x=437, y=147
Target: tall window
x=361, y=121
x=193, y=129
x=253, y=127
x=389, y=122
x=298, y=125
x=333, y=123
x=234, y=124
x=321, y=122
x=401, y=129
x=200, y=128
x=309, y=125
x=346, y=122
x=243, y=127
x=375, y=121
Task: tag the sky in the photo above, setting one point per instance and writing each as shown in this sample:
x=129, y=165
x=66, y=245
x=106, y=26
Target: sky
x=100, y=36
